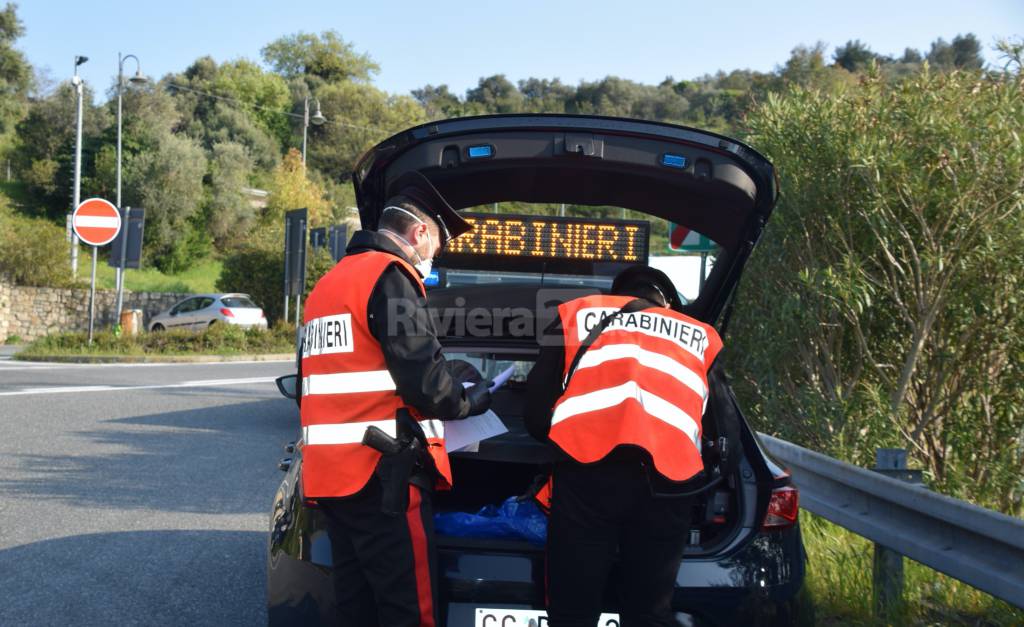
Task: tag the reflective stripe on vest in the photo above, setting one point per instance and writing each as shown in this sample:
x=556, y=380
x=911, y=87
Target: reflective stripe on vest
x=346, y=385
x=642, y=382
x=348, y=382
x=352, y=432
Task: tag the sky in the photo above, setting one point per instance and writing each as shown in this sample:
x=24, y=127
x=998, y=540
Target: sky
x=418, y=43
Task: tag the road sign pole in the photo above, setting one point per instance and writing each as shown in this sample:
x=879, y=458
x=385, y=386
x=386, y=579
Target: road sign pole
x=302, y=286
x=92, y=295
x=96, y=222
x=121, y=269
x=287, y=283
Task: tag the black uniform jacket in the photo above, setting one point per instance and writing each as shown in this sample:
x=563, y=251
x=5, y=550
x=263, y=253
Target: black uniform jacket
x=545, y=382
x=411, y=349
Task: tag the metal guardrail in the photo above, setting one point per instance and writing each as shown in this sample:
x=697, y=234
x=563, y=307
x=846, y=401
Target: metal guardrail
x=975, y=545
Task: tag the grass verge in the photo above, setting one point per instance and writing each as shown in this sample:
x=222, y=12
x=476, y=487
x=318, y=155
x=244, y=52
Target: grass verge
x=198, y=279
x=221, y=339
x=839, y=572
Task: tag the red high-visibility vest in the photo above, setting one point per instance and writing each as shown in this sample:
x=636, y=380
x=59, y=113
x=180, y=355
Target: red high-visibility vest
x=346, y=385
x=642, y=382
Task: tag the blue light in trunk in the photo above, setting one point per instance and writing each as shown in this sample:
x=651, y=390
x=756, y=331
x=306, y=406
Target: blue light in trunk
x=673, y=161
x=480, y=152
x=433, y=279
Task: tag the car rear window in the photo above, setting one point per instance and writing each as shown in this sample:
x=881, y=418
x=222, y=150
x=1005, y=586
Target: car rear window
x=238, y=301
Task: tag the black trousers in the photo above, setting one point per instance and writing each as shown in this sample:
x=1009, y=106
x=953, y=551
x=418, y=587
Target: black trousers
x=602, y=510
x=383, y=564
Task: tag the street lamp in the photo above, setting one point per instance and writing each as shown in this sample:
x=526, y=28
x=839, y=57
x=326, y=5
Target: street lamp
x=317, y=120
x=137, y=79
x=76, y=80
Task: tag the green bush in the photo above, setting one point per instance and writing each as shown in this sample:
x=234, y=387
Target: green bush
x=882, y=307
x=33, y=251
x=259, y=271
x=260, y=274
x=220, y=339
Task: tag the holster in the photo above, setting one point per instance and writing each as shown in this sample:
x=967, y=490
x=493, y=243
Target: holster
x=395, y=471
x=404, y=461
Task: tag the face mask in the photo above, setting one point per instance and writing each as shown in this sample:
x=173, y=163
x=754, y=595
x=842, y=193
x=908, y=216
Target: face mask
x=422, y=266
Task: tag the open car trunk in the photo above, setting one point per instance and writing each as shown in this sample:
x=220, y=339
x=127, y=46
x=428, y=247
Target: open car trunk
x=710, y=184
x=511, y=464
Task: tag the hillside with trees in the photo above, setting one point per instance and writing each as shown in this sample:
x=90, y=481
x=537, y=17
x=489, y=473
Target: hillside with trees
x=196, y=140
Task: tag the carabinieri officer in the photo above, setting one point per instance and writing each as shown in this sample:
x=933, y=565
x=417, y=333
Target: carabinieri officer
x=620, y=389
x=371, y=364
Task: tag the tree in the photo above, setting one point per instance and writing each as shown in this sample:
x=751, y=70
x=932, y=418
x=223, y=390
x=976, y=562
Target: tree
x=290, y=188
x=358, y=116
x=881, y=308
x=963, y=53
x=230, y=214
x=168, y=181
x=45, y=142
x=15, y=72
x=326, y=57
x=267, y=93
x=854, y=56
x=438, y=102
x=911, y=55
x=541, y=95
x=621, y=97
x=806, y=67
x=496, y=94
x=254, y=114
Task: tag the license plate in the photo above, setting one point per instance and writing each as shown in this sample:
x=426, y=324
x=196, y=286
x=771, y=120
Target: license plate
x=497, y=617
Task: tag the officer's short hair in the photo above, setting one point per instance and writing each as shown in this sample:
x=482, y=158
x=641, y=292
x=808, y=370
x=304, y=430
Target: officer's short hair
x=640, y=281
x=400, y=221
x=644, y=290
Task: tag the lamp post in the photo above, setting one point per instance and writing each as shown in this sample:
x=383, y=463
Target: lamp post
x=137, y=79
x=76, y=80
x=317, y=120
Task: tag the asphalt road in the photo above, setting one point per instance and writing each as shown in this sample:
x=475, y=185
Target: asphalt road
x=138, y=494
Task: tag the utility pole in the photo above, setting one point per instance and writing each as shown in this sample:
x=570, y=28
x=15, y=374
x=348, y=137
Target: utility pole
x=77, y=194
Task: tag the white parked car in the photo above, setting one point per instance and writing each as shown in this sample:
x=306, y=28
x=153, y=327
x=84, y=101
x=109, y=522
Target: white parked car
x=205, y=310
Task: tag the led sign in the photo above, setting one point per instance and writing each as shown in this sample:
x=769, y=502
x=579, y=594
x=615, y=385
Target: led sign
x=531, y=241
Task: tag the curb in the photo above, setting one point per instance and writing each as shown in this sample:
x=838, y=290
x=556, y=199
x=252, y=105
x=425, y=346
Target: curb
x=155, y=359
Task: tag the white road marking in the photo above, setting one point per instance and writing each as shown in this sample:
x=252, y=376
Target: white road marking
x=113, y=388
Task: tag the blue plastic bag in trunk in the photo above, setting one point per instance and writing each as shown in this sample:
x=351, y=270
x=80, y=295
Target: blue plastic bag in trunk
x=512, y=519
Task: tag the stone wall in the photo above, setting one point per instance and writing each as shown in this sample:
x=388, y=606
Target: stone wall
x=5, y=309
x=32, y=312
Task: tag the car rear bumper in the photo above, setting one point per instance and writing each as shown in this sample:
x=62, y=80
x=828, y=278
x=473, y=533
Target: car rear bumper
x=259, y=324
x=758, y=583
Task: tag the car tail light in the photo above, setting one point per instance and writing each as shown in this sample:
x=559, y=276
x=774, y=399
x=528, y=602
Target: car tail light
x=227, y=312
x=783, y=509
x=263, y=316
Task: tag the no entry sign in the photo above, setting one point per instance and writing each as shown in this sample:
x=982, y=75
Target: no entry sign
x=96, y=222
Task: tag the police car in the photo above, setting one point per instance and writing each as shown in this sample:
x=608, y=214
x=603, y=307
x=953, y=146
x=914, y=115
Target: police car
x=493, y=292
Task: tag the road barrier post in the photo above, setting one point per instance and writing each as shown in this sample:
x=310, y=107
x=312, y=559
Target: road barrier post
x=887, y=571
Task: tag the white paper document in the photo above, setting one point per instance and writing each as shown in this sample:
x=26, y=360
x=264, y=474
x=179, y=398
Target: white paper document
x=501, y=379
x=461, y=434
x=466, y=434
